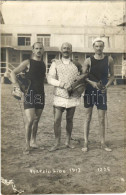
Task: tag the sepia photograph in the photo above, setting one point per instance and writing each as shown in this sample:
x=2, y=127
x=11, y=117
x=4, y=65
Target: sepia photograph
x=63, y=97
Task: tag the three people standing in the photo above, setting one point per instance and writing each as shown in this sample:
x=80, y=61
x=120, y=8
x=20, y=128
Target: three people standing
x=62, y=74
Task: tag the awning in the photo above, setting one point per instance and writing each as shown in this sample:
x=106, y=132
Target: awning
x=29, y=48
x=74, y=50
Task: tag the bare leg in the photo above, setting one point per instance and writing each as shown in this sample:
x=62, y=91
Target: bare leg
x=69, y=125
x=101, y=117
x=38, y=113
x=87, y=128
x=57, y=128
x=30, y=113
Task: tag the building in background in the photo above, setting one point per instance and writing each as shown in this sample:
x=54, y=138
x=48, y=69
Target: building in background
x=16, y=42
x=124, y=58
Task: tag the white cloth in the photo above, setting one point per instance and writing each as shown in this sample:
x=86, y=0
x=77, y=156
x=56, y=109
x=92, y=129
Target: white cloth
x=52, y=79
x=66, y=103
x=97, y=39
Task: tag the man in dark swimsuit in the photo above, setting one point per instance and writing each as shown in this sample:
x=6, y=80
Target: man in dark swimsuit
x=99, y=66
x=34, y=98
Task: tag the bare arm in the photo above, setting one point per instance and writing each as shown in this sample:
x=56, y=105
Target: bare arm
x=17, y=70
x=85, y=68
x=51, y=77
x=111, y=71
x=87, y=64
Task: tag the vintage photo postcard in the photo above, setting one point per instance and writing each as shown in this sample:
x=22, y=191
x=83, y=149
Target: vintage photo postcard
x=63, y=97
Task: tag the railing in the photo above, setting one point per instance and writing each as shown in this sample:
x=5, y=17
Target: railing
x=6, y=67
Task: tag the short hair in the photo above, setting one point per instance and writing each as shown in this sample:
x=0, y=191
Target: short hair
x=69, y=44
x=33, y=46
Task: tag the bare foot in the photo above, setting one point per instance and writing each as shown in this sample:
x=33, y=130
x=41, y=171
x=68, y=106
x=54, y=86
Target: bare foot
x=34, y=145
x=85, y=148
x=26, y=151
x=70, y=146
x=106, y=148
x=54, y=148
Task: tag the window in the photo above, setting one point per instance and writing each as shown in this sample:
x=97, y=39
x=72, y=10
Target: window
x=40, y=39
x=44, y=39
x=24, y=39
x=6, y=39
x=3, y=60
x=47, y=41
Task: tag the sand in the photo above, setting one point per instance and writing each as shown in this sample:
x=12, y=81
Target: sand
x=65, y=171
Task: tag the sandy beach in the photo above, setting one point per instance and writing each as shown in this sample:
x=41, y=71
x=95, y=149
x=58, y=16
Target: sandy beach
x=65, y=171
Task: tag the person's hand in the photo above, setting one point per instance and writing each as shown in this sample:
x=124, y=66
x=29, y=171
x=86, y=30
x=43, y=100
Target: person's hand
x=15, y=85
x=17, y=93
x=77, y=78
x=94, y=85
x=104, y=89
x=62, y=84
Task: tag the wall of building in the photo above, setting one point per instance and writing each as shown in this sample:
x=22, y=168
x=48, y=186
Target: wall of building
x=75, y=40
x=78, y=36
